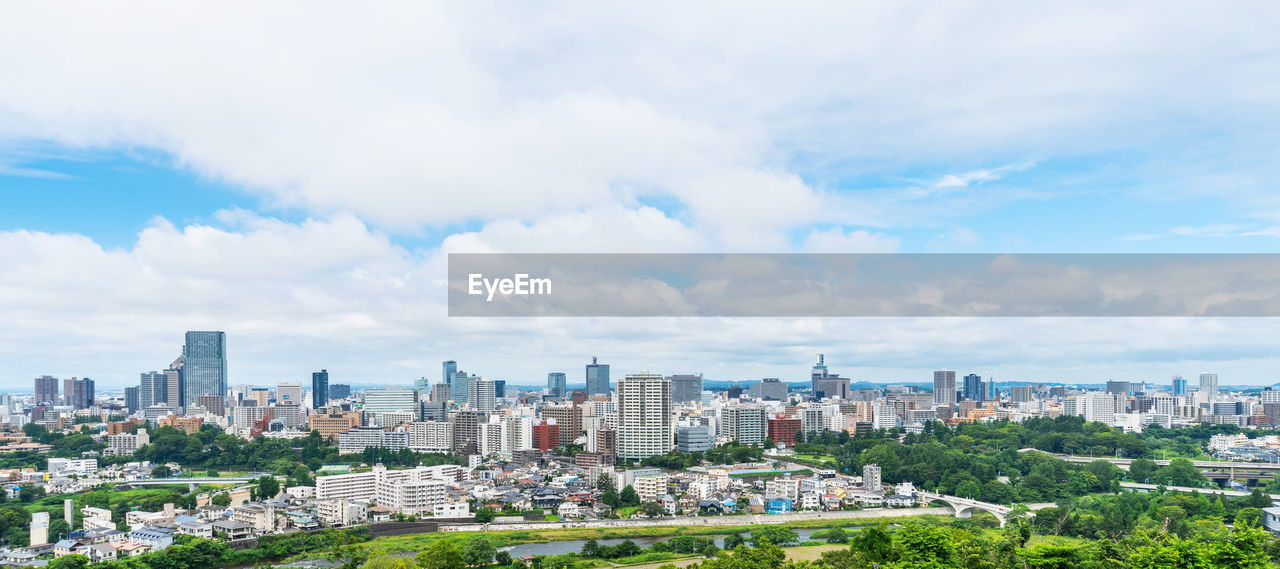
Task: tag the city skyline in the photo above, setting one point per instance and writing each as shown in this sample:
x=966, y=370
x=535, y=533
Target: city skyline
x=133, y=211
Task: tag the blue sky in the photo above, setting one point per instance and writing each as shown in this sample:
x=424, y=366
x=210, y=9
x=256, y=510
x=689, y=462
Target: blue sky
x=300, y=187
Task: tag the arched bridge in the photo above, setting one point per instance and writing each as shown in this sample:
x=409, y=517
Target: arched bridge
x=964, y=507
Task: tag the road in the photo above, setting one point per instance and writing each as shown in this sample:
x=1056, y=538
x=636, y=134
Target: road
x=754, y=519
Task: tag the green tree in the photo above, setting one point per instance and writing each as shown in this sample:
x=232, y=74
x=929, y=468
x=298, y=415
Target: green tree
x=478, y=551
x=836, y=535
x=223, y=500
x=161, y=471
x=969, y=489
x=443, y=554
x=629, y=497
x=875, y=542
x=485, y=515
x=69, y=562
x=1142, y=470
x=268, y=487
x=776, y=535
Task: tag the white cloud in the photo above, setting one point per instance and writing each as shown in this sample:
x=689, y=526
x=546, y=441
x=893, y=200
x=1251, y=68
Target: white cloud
x=837, y=240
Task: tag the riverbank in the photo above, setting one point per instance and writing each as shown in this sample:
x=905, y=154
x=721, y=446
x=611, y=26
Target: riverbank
x=507, y=538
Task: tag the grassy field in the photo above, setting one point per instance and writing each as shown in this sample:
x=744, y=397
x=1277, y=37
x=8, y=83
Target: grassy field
x=827, y=461
x=420, y=541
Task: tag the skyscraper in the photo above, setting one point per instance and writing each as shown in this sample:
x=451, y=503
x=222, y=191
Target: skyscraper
x=78, y=393
x=448, y=368
x=153, y=389
x=289, y=394
x=944, y=387
x=645, y=417
x=1209, y=386
x=204, y=367
x=556, y=384
x=597, y=378
x=685, y=388
x=319, y=388
x=47, y=390
x=131, y=399
x=1179, y=385
x=973, y=387
x=481, y=396
x=825, y=384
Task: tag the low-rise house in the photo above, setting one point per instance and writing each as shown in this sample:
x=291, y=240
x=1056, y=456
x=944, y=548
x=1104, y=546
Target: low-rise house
x=153, y=537
x=196, y=528
x=233, y=529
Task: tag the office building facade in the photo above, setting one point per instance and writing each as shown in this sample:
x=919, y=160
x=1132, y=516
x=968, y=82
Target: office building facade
x=204, y=365
x=319, y=388
x=645, y=416
x=597, y=378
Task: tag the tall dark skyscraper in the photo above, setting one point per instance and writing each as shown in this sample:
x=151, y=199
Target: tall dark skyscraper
x=597, y=378
x=47, y=390
x=556, y=384
x=131, y=399
x=204, y=367
x=973, y=387
x=499, y=388
x=78, y=393
x=319, y=389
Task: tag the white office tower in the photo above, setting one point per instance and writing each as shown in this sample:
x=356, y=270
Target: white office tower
x=390, y=399
x=811, y=420
x=480, y=395
x=1096, y=406
x=646, y=421
x=519, y=433
x=1209, y=386
x=884, y=417
x=746, y=425
x=287, y=394
x=944, y=387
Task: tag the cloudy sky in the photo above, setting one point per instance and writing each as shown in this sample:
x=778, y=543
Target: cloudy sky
x=295, y=173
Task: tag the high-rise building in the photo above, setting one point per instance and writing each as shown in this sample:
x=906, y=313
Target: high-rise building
x=1209, y=386
x=1179, y=386
x=212, y=404
x=448, y=368
x=769, y=388
x=204, y=366
x=289, y=393
x=499, y=388
x=556, y=384
x=339, y=391
x=153, y=389
x=390, y=399
x=597, y=378
x=1022, y=393
x=973, y=387
x=568, y=416
x=260, y=396
x=47, y=390
x=319, y=388
x=645, y=416
x=944, y=387
x=131, y=399
x=825, y=384
x=78, y=393
x=481, y=396
x=174, y=383
x=746, y=425
x=546, y=435
x=686, y=388
x=460, y=389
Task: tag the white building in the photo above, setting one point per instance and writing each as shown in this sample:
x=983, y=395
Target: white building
x=342, y=512
x=125, y=444
x=360, y=438
x=646, y=418
x=67, y=466
x=431, y=436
